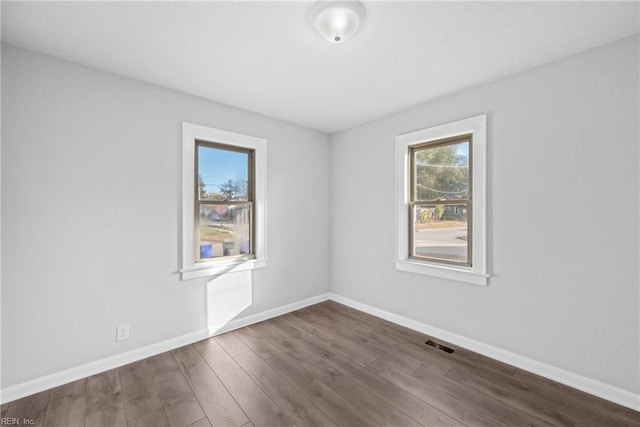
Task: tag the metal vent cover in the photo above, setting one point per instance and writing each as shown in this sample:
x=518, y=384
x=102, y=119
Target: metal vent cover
x=439, y=346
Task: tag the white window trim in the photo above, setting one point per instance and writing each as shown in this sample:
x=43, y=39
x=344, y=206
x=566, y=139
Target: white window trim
x=189, y=268
x=477, y=274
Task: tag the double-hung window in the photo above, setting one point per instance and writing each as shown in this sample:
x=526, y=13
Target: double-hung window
x=441, y=201
x=223, y=201
x=440, y=204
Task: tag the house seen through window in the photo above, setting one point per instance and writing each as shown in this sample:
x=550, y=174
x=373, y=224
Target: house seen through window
x=224, y=201
x=440, y=202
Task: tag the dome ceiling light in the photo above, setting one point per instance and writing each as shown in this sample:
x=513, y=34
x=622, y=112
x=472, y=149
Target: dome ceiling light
x=337, y=21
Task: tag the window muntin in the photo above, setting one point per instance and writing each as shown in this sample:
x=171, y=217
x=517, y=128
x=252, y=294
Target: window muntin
x=440, y=201
x=224, y=201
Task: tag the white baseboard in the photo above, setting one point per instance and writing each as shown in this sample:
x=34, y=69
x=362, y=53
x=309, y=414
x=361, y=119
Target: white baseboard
x=588, y=385
x=37, y=385
x=59, y=378
x=269, y=314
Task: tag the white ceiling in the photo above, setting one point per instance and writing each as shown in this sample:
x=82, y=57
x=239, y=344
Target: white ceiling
x=264, y=56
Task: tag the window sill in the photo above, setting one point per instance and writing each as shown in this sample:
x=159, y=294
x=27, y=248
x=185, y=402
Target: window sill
x=459, y=274
x=218, y=268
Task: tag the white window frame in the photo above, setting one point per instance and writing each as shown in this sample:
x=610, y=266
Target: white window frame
x=190, y=269
x=477, y=273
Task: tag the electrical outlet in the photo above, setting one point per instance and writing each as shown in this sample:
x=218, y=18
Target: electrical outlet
x=122, y=333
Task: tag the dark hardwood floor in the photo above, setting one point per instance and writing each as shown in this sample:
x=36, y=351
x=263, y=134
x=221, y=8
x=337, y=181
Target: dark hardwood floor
x=323, y=365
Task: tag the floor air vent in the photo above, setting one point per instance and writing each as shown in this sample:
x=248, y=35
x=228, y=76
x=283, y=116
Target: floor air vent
x=439, y=346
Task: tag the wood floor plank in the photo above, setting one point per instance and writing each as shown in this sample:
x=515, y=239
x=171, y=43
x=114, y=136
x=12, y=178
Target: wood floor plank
x=287, y=344
x=500, y=367
x=103, y=391
x=535, y=406
x=342, y=316
x=67, y=412
x=295, y=405
x=329, y=340
x=260, y=409
x=406, y=402
x=201, y=423
x=551, y=407
x=358, y=316
x=171, y=384
x=136, y=380
x=138, y=390
x=178, y=400
x=114, y=417
x=461, y=357
x=331, y=325
x=232, y=344
x=481, y=401
x=263, y=347
x=409, y=336
x=545, y=386
x=398, y=361
x=418, y=355
x=345, y=326
x=416, y=351
x=152, y=419
x=183, y=413
x=311, y=317
x=32, y=408
x=295, y=342
x=373, y=406
x=454, y=406
x=67, y=405
x=75, y=387
x=329, y=402
x=218, y=404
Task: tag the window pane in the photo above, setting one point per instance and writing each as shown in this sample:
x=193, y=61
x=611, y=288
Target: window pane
x=442, y=172
x=222, y=174
x=224, y=230
x=440, y=232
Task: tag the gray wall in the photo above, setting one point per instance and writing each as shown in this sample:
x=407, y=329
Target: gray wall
x=90, y=214
x=563, y=217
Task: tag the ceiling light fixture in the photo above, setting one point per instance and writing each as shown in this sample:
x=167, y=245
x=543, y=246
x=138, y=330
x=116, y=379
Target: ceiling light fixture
x=337, y=21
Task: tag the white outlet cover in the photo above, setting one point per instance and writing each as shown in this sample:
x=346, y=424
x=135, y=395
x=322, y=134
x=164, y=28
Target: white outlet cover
x=122, y=332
